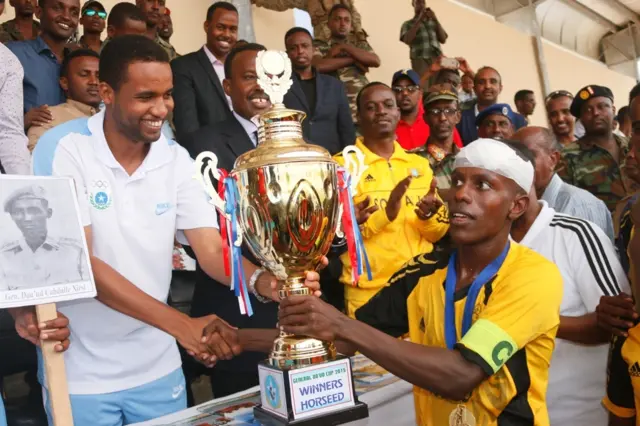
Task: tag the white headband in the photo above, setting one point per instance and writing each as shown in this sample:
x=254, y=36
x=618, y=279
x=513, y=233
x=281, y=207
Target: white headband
x=496, y=157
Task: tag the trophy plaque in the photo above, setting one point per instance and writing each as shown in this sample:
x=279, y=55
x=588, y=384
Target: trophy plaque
x=288, y=212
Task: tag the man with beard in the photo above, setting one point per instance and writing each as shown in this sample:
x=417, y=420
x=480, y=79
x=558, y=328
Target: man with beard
x=482, y=318
x=153, y=11
x=23, y=26
x=94, y=18
x=79, y=79
x=525, y=102
x=165, y=31
x=487, y=85
x=558, y=105
x=136, y=191
x=197, y=77
x=496, y=122
x=442, y=114
x=42, y=59
x=344, y=56
x=407, y=216
x=320, y=96
x=596, y=162
x=228, y=140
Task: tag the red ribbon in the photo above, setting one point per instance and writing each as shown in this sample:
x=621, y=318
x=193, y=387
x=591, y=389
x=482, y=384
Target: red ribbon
x=223, y=226
x=347, y=225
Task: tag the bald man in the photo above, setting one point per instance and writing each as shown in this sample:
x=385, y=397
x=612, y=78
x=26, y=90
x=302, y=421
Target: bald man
x=560, y=196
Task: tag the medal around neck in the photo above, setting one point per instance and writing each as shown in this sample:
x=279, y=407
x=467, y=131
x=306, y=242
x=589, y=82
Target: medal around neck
x=282, y=199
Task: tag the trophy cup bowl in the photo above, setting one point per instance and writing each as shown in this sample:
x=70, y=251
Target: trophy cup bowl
x=288, y=212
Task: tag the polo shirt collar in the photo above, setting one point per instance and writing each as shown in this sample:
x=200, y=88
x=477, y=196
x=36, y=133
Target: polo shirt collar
x=83, y=108
x=369, y=156
x=159, y=154
x=40, y=46
x=542, y=221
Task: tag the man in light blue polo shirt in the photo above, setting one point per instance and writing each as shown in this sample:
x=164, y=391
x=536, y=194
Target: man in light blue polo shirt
x=136, y=191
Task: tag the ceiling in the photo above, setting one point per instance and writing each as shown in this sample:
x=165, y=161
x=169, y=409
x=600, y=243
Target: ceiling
x=604, y=30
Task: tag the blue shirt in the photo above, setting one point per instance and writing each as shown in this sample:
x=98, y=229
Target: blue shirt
x=41, y=73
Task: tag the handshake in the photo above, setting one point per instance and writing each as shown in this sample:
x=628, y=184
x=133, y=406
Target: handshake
x=210, y=339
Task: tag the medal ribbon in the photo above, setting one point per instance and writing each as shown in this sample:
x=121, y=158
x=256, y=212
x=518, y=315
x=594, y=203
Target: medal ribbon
x=223, y=225
x=450, y=288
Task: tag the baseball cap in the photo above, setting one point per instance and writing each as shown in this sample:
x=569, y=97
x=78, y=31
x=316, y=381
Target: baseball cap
x=406, y=73
x=92, y=3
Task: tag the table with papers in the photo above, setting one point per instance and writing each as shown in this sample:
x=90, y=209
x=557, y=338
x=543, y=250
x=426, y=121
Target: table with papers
x=390, y=401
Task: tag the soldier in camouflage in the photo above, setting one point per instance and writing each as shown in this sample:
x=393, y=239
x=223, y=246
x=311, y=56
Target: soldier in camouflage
x=153, y=11
x=441, y=113
x=597, y=161
x=345, y=57
x=23, y=26
x=319, y=12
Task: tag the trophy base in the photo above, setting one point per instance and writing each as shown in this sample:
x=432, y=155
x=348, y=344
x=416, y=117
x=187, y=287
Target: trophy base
x=319, y=394
x=357, y=412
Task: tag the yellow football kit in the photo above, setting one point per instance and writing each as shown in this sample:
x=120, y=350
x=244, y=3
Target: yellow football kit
x=514, y=324
x=389, y=244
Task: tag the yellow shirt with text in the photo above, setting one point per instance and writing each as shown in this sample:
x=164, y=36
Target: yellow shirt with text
x=512, y=336
x=389, y=244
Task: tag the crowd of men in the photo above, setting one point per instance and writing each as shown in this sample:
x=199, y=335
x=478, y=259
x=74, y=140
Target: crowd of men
x=503, y=253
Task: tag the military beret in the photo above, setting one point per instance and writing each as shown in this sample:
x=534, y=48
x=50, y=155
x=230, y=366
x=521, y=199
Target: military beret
x=586, y=93
x=34, y=192
x=501, y=109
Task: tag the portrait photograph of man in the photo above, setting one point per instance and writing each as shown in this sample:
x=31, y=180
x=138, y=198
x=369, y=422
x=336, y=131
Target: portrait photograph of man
x=42, y=243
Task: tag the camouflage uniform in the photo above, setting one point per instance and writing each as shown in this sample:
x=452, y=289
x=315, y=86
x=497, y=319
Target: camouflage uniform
x=353, y=77
x=441, y=163
x=84, y=45
x=590, y=167
x=167, y=47
x=319, y=12
x=10, y=32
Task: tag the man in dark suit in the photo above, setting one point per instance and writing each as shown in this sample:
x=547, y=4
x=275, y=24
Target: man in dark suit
x=487, y=84
x=320, y=96
x=197, y=77
x=228, y=140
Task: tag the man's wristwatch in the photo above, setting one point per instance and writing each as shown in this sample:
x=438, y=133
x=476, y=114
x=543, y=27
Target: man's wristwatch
x=252, y=286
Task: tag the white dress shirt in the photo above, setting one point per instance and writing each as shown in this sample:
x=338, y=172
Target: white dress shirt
x=134, y=220
x=590, y=269
x=574, y=201
x=218, y=67
x=14, y=154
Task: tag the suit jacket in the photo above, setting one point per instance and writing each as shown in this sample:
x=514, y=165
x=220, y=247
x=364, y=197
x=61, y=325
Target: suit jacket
x=331, y=125
x=467, y=125
x=228, y=140
x=198, y=95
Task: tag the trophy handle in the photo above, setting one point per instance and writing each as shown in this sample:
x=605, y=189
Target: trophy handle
x=208, y=174
x=354, y=164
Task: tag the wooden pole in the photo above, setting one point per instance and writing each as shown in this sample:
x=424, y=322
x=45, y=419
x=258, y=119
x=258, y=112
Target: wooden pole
x=55, y=372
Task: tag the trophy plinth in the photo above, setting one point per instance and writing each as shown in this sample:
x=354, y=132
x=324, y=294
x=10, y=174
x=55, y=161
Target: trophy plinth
x=288, y=211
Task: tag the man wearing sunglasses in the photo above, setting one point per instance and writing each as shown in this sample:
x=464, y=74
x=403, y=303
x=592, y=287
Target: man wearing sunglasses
x=558, y=105
x=93, y=21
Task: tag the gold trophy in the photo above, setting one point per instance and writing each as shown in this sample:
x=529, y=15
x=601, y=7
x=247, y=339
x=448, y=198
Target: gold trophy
x=288, y=213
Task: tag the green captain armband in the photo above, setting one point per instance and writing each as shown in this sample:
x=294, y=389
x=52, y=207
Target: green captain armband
x=490, y=342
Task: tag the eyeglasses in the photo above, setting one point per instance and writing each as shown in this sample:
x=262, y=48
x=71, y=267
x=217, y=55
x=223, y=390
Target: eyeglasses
x=93, y=12
x=557, y=94
x=410, y=89
x=436, y=112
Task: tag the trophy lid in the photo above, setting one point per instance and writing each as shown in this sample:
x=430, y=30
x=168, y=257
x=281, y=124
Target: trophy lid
x=280, y=138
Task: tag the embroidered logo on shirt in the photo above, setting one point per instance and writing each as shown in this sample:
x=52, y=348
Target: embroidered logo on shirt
x=162, y=208
x=634, y=370
x=369, y=178
x=100, y=197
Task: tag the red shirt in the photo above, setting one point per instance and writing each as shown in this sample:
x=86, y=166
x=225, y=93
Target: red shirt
x=414, y=136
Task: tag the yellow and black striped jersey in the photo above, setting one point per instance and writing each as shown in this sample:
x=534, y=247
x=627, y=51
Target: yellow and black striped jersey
x=512, y=336
x=623, y=375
